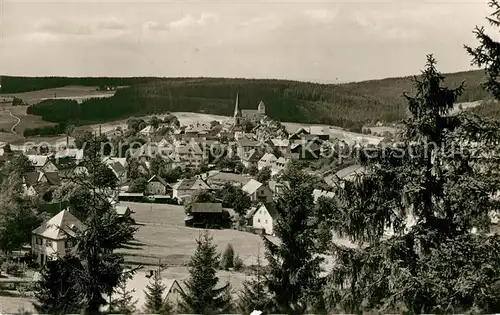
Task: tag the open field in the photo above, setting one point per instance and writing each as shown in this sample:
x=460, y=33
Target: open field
x=67, y=92
x=163, y=235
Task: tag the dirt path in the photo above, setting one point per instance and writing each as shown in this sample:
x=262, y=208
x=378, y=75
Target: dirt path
x=15, y=125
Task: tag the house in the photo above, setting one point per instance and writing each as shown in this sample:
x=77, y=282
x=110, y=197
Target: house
x=321, y=132
x=279, y=165
x=74, y=154
x=264, y=217
x=246, y=145
x=158, y=186
x=120, y=171
x=219, y=179
x=122, y=210
x=317, y=193
x=347, y=173
x=251, y=159
x=189, y=153
x=276, y=188
x=53, y=239
x=189, y=187
x=281, y=145
x=173, y=292
x=207, y=215
x=36, y=183
x=306, y=150
x=258, y=192
x=38, y=161
x=297, y=135
x=267, y=160
x=49, y=167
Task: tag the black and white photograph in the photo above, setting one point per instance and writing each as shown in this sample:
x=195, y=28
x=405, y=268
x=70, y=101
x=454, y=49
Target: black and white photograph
x=249, y=157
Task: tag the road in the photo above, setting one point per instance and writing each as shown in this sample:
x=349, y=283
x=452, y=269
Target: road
x=15, y=125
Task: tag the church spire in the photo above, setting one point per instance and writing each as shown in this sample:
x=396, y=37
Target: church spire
x=236, y=106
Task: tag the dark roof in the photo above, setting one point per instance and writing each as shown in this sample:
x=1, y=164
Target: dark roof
x=117, y=167
x=206, y=207
x=159, y=179
x=31, y=178
x=53, y=178
x=188, y=183
x=271, y=208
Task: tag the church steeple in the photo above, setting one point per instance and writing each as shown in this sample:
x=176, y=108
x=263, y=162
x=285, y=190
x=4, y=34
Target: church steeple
x=237, y=111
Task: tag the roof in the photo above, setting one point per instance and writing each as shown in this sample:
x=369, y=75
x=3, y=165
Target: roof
x=59, y=226
x=250, y=112
x=268, y=158
x=74, y=153
x=38, y=160
x=147, y=129
x=319, y=130
x=31, y=178
x=189, y=183
x=251, y=186
x=250, y=213
x=53, y=178
x=228, y=177
x=159, y=179
x=191, y=147
x=199, y=207
x=349, y=171
x=280, y=142
x=270, y=207
x=117, y=167
x=246, y=142
x=317, y=193
x=121, y=210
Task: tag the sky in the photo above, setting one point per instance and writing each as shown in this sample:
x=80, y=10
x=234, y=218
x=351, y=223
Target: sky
x=322, y=41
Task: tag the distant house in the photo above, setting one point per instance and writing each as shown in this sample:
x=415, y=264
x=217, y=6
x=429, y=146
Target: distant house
x=36, y=183
x=122, y=210
x=258, y=192
x=279, y=165
x=276, y=188
x=39, y=161
x=321, y=132
x=119, y=170
x=246, y=145
x=266, y=161
x=206, y=215
x=281, y=145
x=317, y=193
x=189, y=187
x=297, y=135
x=74, y=154
x=189, y=153
x=158, y=186
x=251, y=159
x=263, y=217
x=53, y=239
x=306, y=150
x=173, y=292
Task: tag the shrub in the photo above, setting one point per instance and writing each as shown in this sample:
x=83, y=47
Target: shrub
x=238, y=263
x=227, y=259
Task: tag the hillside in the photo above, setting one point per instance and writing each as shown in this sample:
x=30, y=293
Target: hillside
x=347, y=105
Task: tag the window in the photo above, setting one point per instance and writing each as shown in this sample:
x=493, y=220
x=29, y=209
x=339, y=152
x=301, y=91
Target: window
x=39, y=241
x=48, y=243
x=68, y=244
x=258, y=220
x=266, y=221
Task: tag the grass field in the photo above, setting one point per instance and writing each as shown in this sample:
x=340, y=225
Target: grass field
x=69, y=92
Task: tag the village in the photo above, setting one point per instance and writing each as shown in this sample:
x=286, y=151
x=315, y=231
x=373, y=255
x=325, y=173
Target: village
x=164, y=179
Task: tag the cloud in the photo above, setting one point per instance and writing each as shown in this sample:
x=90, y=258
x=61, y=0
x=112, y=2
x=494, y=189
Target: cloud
x=321, y=16
x=111, y=24
x=154, y=26
x=62, y=28
x=190, y=20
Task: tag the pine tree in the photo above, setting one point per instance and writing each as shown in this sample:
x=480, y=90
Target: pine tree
x=227, y=259
x=124, y=303
x=202, y=295
x=54, y=292
x=294, y=269
x=414, y=211
x=486, y=54
x=254, y=294
x=155, y=296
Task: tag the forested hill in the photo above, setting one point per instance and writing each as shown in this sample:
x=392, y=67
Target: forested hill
x=348, y=105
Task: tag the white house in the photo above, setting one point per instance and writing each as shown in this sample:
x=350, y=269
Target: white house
x=264, y=216
x=50, y=240
x=157, y=186
x=120, y=171
x=258, y=192
x=267, y=160
x=147, y=131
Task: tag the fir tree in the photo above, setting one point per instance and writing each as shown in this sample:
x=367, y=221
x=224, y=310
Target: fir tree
x=124, y=303
x=155, y=296
x=202, y=295
x=254, y=294
x=227, y=260
x=294, y=269
x=54, y=292
x=431, y=190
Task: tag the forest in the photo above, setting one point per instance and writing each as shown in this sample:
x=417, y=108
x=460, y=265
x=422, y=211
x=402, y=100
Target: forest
x=349, y=105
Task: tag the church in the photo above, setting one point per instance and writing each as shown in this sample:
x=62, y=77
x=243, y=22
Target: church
x=252, y=115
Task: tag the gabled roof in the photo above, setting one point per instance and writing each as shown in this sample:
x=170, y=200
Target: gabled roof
x=246, y=142
x=159, y=179
x=250, y=213
x=252, y=156
x=199, y=207
x=270, y=207
x=268, y=158
x=189, y=183
x=77, y=154
x=147, y=129
x=280, y=142
x=31, y=178
x=59, y=226
x=122, y=210
x=349, y=171
x=53, y=178
x=192, y=147
x=251, y=186
x=228, y=177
